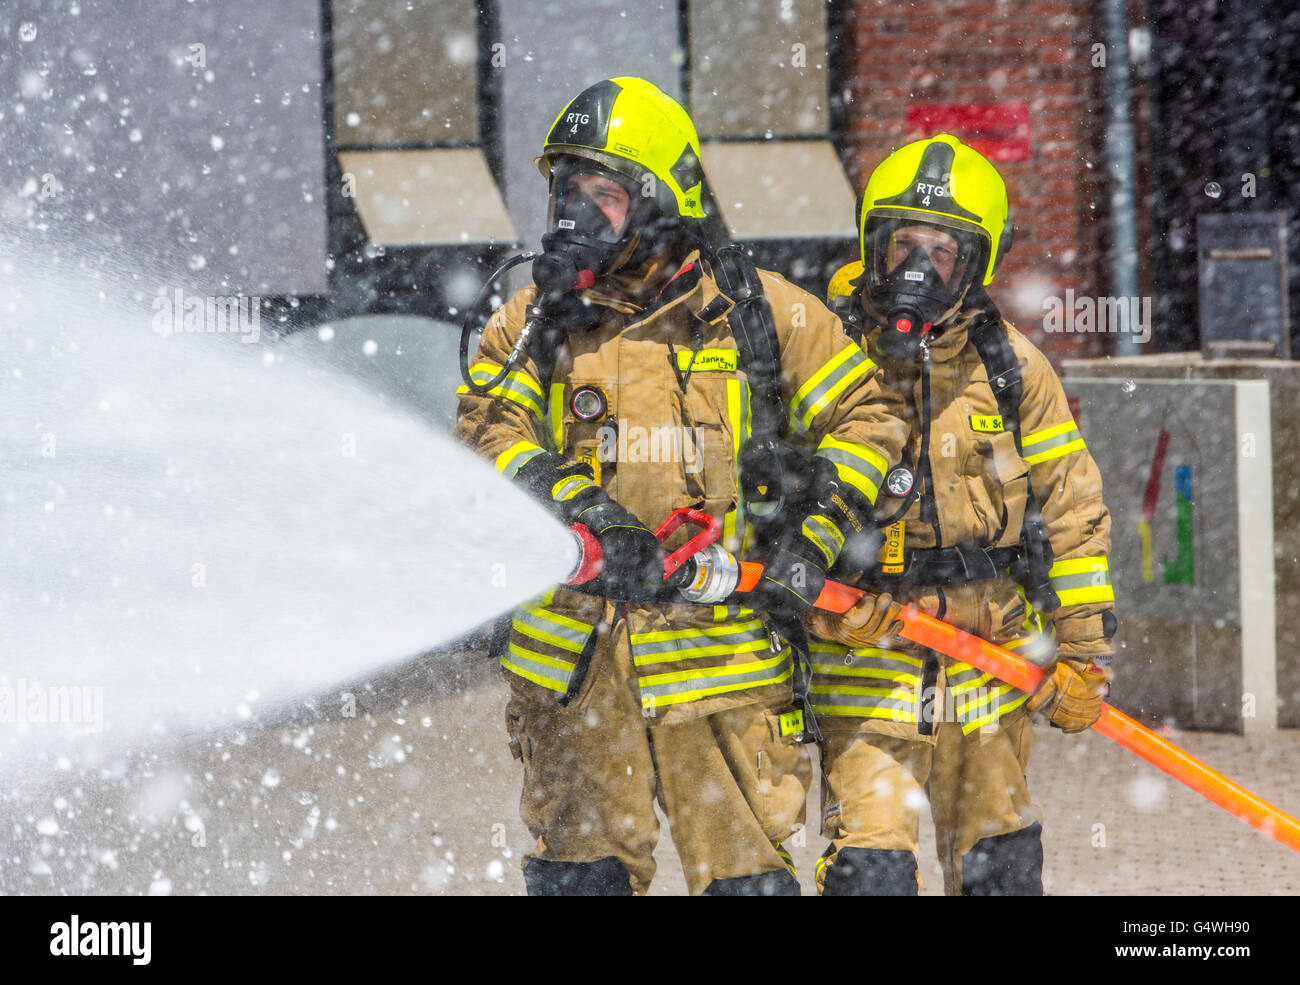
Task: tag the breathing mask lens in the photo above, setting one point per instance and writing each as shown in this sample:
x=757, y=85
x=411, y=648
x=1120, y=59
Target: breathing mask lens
x=590, y=202
x=918, y=275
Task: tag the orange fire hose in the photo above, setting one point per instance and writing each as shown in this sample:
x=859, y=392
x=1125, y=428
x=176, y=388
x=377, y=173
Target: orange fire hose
x=1115, y=725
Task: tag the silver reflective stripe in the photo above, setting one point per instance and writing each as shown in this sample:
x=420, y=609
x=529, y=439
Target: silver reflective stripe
x=513, y=387
x=808, y=405
x=547, y=671
x=653, y=693
x=868, y=470
x=961, y=675
x=825, y=535
x=898, y=704
x=988, y=705
x=862, y=666
x=718, y=641
x=534, y=623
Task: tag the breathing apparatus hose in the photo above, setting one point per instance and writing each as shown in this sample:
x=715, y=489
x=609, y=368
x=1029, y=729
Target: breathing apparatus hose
x=467, y=327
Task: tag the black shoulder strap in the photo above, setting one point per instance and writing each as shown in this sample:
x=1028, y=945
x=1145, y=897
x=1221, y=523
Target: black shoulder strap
x=755, y=331
x=990, y=339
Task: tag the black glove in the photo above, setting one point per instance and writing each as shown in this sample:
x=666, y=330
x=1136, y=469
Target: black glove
x=633, y=569
x=794, y=575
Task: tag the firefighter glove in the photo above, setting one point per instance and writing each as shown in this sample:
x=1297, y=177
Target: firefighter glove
x=1070, y=696
x=873, y=620
x=633, y=567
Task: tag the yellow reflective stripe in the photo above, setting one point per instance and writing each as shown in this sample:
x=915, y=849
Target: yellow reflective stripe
x=569, y=487
x=541, y=658
x=872, y=673
x=1003, y=707
x=966, y=685
x=541, y=635
x=705, y=692
x=516, y=457
x=716, y=650
x=541, y=663
x=1085, y=596
x=546, y=682
x=827, y=384
x=1047, y=456
x=678, y=634
x=789, y=862
x=896, y=704
x=859, y=466
x=815, y=380
x=897, y=693
x=1079, y=581
x=1079, y=565
x=1053, y=442
x=658, y=690
x=738, y=411
x=704, y=673
x=489, y=370
x=866, y=711
x=557, y=415
x=1056, y=429
x=556, y=617
x=519, y=387
x=825, y=536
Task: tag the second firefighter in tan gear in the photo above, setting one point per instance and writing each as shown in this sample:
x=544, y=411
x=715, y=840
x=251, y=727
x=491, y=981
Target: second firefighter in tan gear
x=618, y=699
x=904, y=726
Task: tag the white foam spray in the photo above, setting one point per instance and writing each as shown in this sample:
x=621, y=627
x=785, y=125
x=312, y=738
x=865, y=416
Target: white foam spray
x=193, y=530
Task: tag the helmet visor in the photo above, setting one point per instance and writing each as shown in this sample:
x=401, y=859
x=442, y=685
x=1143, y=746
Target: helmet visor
x=590, y=201
x=954, y=254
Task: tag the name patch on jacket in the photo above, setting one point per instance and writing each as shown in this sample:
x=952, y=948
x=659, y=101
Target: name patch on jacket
x=988, y=423
x=708, y=361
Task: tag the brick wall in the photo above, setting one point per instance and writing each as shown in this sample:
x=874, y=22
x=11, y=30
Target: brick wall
x=1037, y=53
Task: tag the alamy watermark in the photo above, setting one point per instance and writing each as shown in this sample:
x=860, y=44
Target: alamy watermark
x=181, y=313
x=30, y=702
x=651, y=444
x=1101, y=314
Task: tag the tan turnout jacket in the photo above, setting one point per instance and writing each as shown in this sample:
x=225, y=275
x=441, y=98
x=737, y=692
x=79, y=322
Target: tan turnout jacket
x=672, y=449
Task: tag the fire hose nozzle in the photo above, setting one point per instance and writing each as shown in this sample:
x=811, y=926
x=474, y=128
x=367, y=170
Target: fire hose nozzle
x=590, y=558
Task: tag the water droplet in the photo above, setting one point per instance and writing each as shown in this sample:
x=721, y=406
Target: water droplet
x=135, y=136
x=325, y=333
x=27, y=31
x=196, y=262
x=1214, y=189
x=370, y=347
x=1128, y=386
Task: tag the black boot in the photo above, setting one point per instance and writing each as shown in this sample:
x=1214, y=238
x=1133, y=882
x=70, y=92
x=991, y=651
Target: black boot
x=871, y=872
x=779, y=883
x=604, y=877
x=1005, y=865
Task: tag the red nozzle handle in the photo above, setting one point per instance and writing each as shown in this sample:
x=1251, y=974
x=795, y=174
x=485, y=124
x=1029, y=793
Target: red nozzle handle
x=590, y=558
x=710, y=533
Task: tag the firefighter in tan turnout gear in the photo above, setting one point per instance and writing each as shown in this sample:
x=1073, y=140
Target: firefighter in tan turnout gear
x=637, y=401
x=993, y=521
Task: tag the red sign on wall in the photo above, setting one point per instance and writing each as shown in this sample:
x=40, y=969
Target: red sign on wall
x=999, y=131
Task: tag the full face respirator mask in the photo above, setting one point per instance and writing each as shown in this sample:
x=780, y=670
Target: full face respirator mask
x=915, y=280
x=595, y=218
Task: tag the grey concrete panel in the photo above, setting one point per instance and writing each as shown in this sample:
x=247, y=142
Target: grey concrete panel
x=1284, y=398
x=554, y=51
x=183, y=140
x=758, y=67
x=405, y=72
x=1197, y=633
